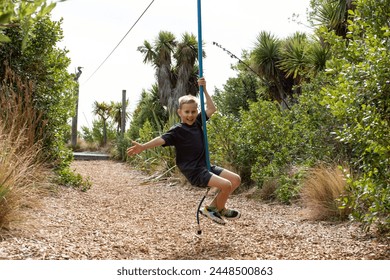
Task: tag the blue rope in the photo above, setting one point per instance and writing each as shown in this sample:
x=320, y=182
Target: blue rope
x=200, y=57
x=203, y=112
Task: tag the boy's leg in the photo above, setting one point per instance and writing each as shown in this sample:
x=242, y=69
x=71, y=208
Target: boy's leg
x=232, y=177
x=224, y=186
x=226, y=182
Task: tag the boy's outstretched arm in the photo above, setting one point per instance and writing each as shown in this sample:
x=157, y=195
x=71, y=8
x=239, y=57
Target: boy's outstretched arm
x=138, y=148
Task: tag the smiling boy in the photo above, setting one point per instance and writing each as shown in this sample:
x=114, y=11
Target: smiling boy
x=187, y=138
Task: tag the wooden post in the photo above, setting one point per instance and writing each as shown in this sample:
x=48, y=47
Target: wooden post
x=74, y=120
x=123, y=117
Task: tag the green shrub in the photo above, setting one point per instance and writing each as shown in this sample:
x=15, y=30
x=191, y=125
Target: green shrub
x=67, y=177
x=358, y=97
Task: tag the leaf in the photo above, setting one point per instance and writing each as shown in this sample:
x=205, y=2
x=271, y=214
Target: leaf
x=4, y=38
x=5, y=18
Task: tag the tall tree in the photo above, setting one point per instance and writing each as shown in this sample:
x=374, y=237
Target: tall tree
x=266, y=57
x=175, y=66
x=103, y=110
x=294, y=59
x=186, y=54
x=333, y=14
x=116, y=114
x=160, y=56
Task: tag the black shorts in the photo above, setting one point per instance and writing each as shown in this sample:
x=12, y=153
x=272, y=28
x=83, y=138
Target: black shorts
x=201, y=177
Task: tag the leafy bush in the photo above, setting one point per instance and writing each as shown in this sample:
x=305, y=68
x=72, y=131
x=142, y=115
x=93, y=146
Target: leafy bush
x=36, y=63
x=357, y=96
x=70, y=179
x=222, y=131
x=159, y=159
x=95, y=134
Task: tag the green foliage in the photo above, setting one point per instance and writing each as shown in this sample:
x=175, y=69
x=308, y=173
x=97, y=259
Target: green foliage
x=293, y=55
x=45, y=65
x=289, y=187
x=160, y=159
x=340, y=116
x=148, y=109
x=21, y=13
x=121, y=145
x=36, y=59
x=70, y=179
x=359, y=100
x=96, y=133
x=265, y=142
x=224, y=145
x=237, y=94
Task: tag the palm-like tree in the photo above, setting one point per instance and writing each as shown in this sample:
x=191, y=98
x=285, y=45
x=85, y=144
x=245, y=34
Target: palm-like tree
x=116, y=114
x=265, y=59
x=333, y=14
x=294, y=61
x=175, y=66
x=160, y=55
x=186, y=55
x=103, y=110
x=317, y=55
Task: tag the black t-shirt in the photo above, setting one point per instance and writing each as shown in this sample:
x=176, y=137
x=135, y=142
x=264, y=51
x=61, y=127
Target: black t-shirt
x=188, y=141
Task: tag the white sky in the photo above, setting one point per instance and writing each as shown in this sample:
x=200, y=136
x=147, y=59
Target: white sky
x=92, y=28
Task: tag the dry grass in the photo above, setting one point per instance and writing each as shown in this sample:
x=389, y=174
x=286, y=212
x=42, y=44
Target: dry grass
x=19, y=172
x=83, y=146
x=17, y=110
x=20, y=127
x=268, y=190
x=322, y=192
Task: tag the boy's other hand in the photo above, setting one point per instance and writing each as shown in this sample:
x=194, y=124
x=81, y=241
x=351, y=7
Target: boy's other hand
x=135, y=149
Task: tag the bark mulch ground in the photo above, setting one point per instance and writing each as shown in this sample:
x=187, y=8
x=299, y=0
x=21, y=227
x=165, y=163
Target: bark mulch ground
x=126, y=216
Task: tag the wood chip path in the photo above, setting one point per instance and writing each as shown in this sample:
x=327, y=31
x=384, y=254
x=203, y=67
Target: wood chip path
x=125, y=216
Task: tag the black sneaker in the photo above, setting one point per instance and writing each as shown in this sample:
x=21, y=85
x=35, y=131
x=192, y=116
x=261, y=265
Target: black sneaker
x=213, y=214
x=230, y=214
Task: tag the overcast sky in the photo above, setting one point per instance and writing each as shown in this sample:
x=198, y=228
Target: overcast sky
x=92, y=29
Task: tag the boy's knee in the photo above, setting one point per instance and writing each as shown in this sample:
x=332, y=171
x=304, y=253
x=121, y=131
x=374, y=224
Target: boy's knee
x=227, y=187
x=236, y=181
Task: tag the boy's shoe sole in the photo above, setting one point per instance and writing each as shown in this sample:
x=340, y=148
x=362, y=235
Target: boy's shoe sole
x=211, y=216
x=232, y=218
x=238, y=215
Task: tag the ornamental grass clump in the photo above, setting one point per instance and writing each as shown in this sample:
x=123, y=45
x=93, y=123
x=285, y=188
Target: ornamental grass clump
x=19, y=170
x=323, y=194
x=20, y=152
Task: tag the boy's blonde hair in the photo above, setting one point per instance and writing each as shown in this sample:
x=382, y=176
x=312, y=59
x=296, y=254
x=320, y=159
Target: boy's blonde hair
x=187, y=99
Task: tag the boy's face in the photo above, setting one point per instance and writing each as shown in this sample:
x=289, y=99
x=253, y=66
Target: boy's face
x=188, y=113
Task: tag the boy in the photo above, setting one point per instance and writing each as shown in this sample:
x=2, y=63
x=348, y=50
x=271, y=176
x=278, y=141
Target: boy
x=187, y=137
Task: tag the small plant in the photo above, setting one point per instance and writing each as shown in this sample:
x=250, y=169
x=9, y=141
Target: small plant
x=268, y=190
x=323, y=193
x=66, y=177
x=288, y=189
